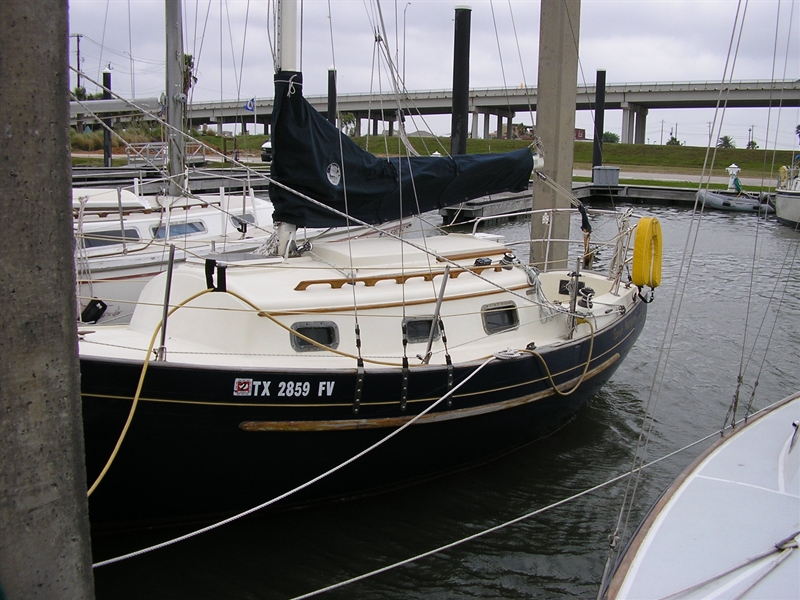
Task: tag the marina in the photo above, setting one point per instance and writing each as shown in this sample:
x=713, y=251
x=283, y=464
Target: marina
x=355, y=372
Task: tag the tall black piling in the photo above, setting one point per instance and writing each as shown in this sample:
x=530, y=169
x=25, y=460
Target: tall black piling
x=599, y=119
x=332, y=96
x=459, y=129
x=107, y=122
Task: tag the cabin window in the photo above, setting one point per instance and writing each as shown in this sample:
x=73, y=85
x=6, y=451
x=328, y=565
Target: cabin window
x=499, y=317
x=418, y=329
x=237, y=220
x=178, y=230
x=108, y=237
x=322, y=332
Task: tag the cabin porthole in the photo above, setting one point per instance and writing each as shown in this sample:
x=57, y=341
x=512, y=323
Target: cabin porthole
x=499, y=317
x=418, y=329
x=325, y=333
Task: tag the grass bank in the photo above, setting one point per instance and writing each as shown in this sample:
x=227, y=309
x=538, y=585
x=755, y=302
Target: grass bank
x=630, y=157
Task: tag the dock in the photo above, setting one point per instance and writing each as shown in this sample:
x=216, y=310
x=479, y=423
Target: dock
x=209, y=180
x=588, y=193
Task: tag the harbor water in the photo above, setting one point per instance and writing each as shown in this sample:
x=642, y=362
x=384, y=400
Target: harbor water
x=737, y=310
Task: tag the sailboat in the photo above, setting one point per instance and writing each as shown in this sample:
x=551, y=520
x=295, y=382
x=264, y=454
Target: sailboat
x=122, y=240
x=335, y=369
x=729, y=526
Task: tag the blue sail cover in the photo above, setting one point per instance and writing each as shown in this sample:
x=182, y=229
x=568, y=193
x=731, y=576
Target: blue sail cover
x=311, y=156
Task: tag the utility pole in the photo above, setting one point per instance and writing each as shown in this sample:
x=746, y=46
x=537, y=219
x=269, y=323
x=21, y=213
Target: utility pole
x=78, y=37
x=78, y=87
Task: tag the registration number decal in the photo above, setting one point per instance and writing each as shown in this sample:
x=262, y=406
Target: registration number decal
x=256, y=387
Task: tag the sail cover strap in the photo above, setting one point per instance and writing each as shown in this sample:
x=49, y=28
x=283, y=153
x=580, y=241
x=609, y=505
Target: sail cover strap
x=313, y=157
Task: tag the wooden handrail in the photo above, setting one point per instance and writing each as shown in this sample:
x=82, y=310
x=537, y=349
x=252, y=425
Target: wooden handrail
x=371, y=280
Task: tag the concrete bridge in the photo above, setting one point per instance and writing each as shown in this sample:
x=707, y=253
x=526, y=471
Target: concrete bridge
x=487, y=104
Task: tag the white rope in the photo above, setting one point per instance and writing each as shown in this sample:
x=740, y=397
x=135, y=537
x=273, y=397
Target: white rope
x=300, y=487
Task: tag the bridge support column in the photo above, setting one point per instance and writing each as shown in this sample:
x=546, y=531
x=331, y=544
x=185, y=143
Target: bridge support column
x=641, y=125
x=486, y=117
x=509, y=128
x=634, y=121
x=375, y=126
x=357, y=131
x=628, y=121
x=474, y=131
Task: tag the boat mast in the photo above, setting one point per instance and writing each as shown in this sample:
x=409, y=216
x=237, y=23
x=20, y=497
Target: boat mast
x=286, y=37
x=559, y=33
x=286, y=53
x=176, y=97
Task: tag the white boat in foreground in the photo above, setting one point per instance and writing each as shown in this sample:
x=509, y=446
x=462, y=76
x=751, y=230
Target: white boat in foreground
x=729, y=526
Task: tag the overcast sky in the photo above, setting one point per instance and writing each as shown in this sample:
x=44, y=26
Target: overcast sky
x=632, y=40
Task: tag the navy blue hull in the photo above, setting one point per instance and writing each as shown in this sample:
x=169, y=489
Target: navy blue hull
x=216, y=441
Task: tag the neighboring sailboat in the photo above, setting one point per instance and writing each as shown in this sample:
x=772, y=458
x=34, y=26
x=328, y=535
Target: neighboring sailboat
x=122, y=240
x=729, y=526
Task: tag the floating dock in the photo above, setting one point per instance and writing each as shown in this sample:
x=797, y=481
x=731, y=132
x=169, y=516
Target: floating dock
x=588, y=193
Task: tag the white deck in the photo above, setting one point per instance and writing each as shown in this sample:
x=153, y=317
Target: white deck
x=737, y=503
x=248, y=325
